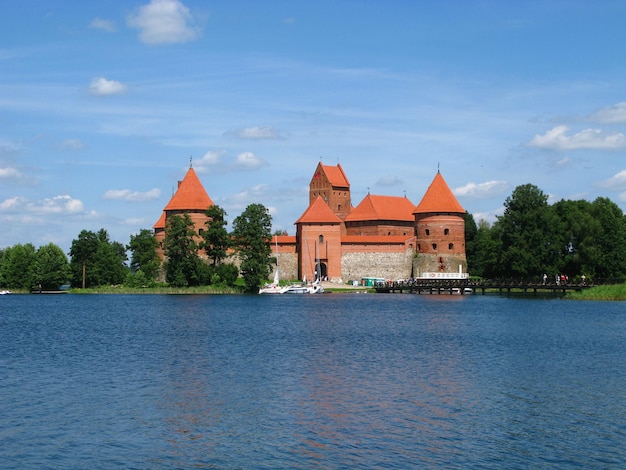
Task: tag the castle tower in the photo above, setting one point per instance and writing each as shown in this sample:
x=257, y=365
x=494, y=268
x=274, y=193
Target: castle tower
x=318, y=232
x=440, y=231
x=190, y=198
x=332, y=185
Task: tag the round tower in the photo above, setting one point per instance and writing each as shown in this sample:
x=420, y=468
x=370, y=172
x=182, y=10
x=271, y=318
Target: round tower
x=440, y=233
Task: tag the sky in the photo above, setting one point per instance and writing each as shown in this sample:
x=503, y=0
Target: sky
x=104, y=104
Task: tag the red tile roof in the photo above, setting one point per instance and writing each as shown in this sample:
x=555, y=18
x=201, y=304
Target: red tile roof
x=335, y=175
x=161, y=222
x=438, y=198
x=383, y=208
x=190, y=195
x=318, y=212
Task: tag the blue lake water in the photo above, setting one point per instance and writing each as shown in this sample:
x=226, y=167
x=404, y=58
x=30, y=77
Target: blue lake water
x=331, y=381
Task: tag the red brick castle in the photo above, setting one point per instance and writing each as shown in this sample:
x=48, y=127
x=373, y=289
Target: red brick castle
x=384, y=236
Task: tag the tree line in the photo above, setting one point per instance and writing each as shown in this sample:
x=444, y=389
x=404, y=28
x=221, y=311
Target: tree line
x=95, y=260
x=532, y=238
x=529, y=239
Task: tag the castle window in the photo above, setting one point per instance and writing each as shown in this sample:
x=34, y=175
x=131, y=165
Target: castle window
x=450, y=246
x=338, y=207
x=201, y=231
x=427, y=232
x=434, y=246
x=446, y=231
x=321, y=238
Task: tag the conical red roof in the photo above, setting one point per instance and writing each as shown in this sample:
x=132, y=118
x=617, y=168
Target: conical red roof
x=438, y=198
x=318, y=212
x=190, y=195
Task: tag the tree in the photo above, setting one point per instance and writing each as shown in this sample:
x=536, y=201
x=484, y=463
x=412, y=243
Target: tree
x=17, y=266
x=51, y=268
x=181, y=251
x=251, y=236
x=216, y=239
x=526, y=231
x=82, y=253
x=96, y=260
x=143, y=254
x=611, y=240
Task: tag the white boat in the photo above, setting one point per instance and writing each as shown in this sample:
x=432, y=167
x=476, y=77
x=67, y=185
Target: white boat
x=5, y=292
x=273, y=288
x=314, y=288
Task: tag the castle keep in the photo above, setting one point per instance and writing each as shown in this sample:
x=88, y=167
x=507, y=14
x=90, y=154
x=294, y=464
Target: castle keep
x=383, y=236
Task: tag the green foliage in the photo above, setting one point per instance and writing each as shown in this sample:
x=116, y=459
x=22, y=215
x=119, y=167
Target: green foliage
x=144, y=256
x=51, y=268
x=138, y=279
x=16, y=270
x=216, y=240
x=532, y=238
x=251, y=235
x=183, y=265
x=96, y=260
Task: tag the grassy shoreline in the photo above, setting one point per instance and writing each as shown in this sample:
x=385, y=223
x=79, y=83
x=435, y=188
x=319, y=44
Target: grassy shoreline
x=608, y=292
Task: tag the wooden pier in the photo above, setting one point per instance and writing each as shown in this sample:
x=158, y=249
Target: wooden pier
x=467, y=287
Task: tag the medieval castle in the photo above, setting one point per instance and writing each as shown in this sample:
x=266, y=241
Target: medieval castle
x=383, y=237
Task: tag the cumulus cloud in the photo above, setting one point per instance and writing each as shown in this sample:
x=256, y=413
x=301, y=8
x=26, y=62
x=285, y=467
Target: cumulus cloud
x=255, y=133
x=104, y=25
x=63, y=204
x=10, y=173
x=481, y=190
x=610, y=114
x=557, y=139
x=209, y=161
x=249, y=161
x=100, y=86
x=132, y=196
x=164, y=22
x=617, y=181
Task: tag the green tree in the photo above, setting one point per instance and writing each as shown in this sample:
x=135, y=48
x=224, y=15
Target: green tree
x=82, y=254
x=526, y=231
x=144, y=256
x=181, y=250
x=611, y=240
x=216, y=238
x=96, y=260
x=51, y=268
x=251, y=236
x=17, y=266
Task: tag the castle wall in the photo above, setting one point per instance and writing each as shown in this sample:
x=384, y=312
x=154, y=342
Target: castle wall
x=384, y=264
x=378, y=228
x=440, y=243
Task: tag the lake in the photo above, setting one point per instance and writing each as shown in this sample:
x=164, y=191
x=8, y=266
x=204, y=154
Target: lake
x=332, y=381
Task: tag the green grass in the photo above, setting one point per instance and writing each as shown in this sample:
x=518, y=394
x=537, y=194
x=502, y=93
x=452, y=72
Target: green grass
x=609, y=292
x=158, y=290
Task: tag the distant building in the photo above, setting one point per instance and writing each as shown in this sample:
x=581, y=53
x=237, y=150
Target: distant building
x=383, y=236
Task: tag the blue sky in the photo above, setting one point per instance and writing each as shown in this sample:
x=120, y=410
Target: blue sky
x=102, y=104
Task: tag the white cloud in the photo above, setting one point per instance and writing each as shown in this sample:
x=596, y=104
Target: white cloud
x=63, y=204
x=164, y=22
x=101, y=86
x=210, y=160
x=132, y=196
x=388, y=181
x=611, y=114
x=10, y=173
x=104, y=25
x=481, y=190
x=249, y=161
x=557, y=139
x=11, y=203
x=256, y=133
x=617, y=181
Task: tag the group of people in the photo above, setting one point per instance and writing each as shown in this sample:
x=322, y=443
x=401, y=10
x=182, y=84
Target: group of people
x=562, y=279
